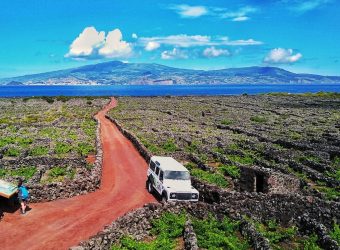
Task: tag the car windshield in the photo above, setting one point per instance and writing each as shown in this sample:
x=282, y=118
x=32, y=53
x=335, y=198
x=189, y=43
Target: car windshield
x=177, y=175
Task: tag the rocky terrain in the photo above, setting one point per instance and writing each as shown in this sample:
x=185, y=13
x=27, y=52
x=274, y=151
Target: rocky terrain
x=291, y=142
x=52, y=143
x=119, y=73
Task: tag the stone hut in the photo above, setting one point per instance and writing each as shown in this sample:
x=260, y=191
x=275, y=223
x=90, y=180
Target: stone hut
x=264, y=180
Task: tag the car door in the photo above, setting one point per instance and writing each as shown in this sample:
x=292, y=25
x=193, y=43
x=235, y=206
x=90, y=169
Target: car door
x=158, y=183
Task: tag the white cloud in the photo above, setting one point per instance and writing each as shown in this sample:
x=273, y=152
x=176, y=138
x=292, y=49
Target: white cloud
x=173, y=54
x=282, y=56
x=240, y=13
x=114, y=45
x=240, y=19
x=213, y=52
x=86, y=42
x=152, y=46
x=187, y=11
x=306, y=5
x=134, y=36
x=196, y=40
x=93, y=44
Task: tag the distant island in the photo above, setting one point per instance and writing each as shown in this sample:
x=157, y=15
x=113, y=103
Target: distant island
x=119, y=73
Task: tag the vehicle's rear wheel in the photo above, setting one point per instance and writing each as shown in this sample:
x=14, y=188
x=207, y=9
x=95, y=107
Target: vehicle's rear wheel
x=149, y=186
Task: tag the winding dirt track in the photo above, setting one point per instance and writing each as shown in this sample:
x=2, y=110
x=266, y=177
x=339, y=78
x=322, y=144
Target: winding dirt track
x=64, y=223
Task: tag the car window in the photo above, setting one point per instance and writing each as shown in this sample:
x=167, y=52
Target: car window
x=161, y=175
x=152, y=165
x=177, y=175
x=157, y=170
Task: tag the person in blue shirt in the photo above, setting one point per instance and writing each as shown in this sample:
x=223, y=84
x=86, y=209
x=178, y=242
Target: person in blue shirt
x=23, y=196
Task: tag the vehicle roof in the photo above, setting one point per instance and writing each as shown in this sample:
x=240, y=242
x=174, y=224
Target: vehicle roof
x=168, y=163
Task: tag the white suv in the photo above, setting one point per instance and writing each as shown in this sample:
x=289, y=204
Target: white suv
x=170, y=179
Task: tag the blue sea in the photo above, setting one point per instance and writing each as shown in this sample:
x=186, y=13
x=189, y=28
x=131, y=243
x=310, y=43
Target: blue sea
x=163, y=90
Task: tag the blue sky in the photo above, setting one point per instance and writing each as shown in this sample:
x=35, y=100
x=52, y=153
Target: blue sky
x=39, y=36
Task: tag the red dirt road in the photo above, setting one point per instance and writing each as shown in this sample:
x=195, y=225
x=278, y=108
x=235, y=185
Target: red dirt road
x=64, y=223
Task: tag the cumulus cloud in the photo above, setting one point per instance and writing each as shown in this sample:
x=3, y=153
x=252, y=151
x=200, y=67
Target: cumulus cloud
x=213, y=52
x=93, y=44
x=184, y=40
x=282, y=56
x=173, y=54
x=134, y=36
x=187, y=11
x=152, y=46
x=86, y=43
x=240, y=19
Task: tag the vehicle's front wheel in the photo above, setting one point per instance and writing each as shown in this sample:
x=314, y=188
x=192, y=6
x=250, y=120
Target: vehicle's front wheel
x=164, y=198
x=149, y=186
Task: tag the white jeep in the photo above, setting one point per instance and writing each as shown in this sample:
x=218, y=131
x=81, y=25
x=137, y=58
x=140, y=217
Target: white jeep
x=170, y=180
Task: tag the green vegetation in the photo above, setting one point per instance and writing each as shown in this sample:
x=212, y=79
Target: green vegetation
x=275, y=233
x=169, y=146
x=38, y=151
x=308, y=94
x=85, y=148
x=24, y=172
x=246, y=159
x=212, y=178
x=192, y=147
x=330, y=193
x=62, y=148
x=226, y=122
x=214, y=234
x=231, y=170
x=258, y=119
x=311, y=243
x=165, y=230
x=57, y=174
x=12, y=152
x=335, y=233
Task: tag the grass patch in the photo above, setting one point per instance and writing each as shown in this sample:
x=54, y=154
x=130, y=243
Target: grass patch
x=169, y=146
x=258, y=119
x=311, y=243
x=330, y=193
x=231, y=170
x=58, y=174
x=245, y=159
x=12, y=152
x=212, y=178
x=24, y=172
x=214, y=234
x=192, y=147
x=275, y=233
x=38, y=151
x=62, y=148
x=226, y=122
x=85, y=148
x=335, y=233
x=166, y=229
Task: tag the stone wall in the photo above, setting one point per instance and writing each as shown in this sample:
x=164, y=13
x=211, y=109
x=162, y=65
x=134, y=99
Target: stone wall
x=273, y=181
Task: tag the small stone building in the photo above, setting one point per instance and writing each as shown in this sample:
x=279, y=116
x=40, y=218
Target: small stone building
x=263, y=180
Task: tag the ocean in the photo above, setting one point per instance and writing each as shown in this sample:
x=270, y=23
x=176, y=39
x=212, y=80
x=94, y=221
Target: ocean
x=163, y=90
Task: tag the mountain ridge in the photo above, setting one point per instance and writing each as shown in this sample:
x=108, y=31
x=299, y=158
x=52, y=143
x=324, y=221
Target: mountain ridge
x=119, y=73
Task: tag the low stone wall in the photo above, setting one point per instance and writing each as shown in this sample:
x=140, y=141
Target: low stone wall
x=134, y=140
x=309, y=226
x=286, y=208
x=189, y=236
x=256, y=239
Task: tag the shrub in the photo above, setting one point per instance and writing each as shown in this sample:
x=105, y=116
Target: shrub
x=258, y=119
x=335, y=233
x=231, y=170
x=246, y=159
x=169, y=146
x=213, y=178
x=226, y=122
x=310, y=243
x=213, y=234
x=192, y=147
x=169, y=224
x=38, y=151
x=62, y=148
x=85, y=148
x=13, y=152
